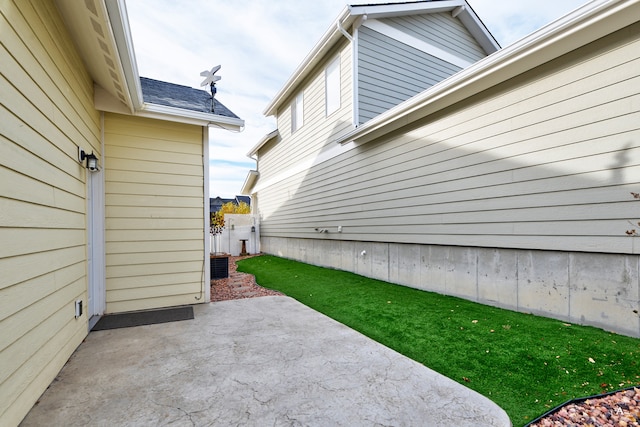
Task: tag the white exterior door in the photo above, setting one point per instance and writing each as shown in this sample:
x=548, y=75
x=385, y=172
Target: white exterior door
x=96, y=300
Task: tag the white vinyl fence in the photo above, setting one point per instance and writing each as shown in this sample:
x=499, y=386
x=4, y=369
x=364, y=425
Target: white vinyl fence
x=238, y=227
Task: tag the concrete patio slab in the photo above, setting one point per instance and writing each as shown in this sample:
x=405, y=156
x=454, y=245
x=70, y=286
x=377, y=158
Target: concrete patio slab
x=252, y=362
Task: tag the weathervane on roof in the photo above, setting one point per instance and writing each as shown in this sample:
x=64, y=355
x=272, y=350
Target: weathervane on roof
x=211, y=80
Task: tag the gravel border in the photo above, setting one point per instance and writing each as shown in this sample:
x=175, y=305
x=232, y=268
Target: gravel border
x=238, y=285
x=616, y=409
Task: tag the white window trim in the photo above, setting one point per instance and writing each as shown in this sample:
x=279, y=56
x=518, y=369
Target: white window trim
x=331, y=78
x=297, y=112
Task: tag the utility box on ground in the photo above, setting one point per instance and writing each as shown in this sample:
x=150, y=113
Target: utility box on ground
x=219, y=266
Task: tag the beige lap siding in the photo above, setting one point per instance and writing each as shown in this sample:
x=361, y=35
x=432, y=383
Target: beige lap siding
x=154, y=213
x=46, y=111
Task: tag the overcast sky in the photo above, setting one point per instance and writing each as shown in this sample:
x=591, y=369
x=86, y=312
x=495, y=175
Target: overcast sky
x=259, y=44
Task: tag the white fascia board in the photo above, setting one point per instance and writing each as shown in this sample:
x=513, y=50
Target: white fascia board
x=350, y=14
x=478, y=30
x=401, y=9
x=416, y=43
x=249, y=182
x=580, y=27
x=330, y=37
x=119, y=20
x=268, y=137
x=119, y=24
x=465, y=13
x=179, y=115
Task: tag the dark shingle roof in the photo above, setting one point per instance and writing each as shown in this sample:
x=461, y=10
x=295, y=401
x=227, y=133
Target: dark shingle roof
x=216, y=203
x=184, y=97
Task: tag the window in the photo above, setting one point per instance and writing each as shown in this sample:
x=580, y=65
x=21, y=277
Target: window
x=297, y=113
x=332, y=86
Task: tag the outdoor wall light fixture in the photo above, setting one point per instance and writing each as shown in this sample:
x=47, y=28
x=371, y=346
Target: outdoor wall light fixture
x=92, y=160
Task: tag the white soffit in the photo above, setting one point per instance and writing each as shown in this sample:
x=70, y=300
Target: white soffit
x=89, y=26
x=119, y=20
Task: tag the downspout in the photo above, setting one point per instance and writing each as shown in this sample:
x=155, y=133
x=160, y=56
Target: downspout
x=205, y=291
x=254, y=208
x=255, y=159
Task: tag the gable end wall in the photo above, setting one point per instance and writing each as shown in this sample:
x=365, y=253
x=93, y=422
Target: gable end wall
x=154, y=199
x=391, y=71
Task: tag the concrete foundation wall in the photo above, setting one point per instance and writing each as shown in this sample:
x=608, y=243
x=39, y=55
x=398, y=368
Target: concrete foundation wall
x=596, y=289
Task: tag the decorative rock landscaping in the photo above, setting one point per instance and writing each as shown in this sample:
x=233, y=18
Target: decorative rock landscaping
x=238, y=285
x=620, y=409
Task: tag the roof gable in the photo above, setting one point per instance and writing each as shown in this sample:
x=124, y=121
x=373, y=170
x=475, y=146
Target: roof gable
x=183, y=97
x=459, y=9
x=353, y=14
x=100, y=29
x=580, y=27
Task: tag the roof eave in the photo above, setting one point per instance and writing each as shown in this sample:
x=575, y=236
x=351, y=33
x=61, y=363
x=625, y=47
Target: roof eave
x=94, y=27
x=162, y=112
x=268, y=137
x=330, y=37
x=460, y=8
x=580, y=27
x=119, y=21
x=351, y=13
x=249, y=182
x=478, y=30
x=374, y=11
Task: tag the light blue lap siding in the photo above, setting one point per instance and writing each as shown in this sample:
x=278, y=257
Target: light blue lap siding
x=441, y=30
x=390, y=72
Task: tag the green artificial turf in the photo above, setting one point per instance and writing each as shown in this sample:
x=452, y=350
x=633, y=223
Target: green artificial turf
x=526, y=364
